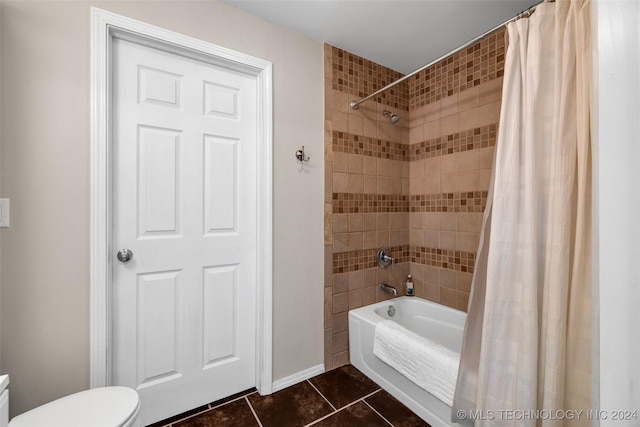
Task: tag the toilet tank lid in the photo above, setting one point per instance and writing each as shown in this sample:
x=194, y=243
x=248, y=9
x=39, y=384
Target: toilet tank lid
x=98, y=407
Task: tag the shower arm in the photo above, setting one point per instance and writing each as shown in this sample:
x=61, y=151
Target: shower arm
x=356, y=104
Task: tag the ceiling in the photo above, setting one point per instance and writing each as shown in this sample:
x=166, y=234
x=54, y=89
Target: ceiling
x=403, y=35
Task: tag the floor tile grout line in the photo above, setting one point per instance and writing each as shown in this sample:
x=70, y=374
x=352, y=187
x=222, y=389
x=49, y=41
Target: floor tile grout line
x=374, y=410
x=343, y=408
x=231, y=401
x=320, y=393
x=369, y=395
x=253, y=411
x=209, y=408
x=314, y=422
x=190, y=416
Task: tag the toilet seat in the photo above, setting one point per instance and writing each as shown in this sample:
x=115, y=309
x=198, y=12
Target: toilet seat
x=98, y=407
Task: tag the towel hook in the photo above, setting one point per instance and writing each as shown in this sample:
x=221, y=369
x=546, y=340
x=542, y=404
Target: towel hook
x=301, y=156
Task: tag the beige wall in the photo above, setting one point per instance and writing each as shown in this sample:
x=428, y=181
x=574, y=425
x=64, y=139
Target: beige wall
x=45, y=171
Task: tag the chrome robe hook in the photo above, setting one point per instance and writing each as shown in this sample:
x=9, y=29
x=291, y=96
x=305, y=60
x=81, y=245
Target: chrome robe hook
x=301, y=156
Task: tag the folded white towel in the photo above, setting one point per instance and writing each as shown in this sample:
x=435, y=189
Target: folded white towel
x=427, y=364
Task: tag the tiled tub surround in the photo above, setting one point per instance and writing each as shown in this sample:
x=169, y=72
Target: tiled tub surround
x=366, y=191
x=469, y=68
x=419, y=186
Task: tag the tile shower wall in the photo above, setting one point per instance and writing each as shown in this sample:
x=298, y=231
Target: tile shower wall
x=366, y=191
x=418, y=186
x=454, y=108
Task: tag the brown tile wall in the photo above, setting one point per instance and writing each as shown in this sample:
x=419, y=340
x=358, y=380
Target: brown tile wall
x=366, y=191
x=419, y=186
x=360, y=77
x=471, y=67
x=451, y=150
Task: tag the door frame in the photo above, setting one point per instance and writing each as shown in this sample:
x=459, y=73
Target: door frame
x=104, y=27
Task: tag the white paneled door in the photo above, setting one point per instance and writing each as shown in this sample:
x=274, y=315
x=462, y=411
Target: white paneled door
x=184, y=211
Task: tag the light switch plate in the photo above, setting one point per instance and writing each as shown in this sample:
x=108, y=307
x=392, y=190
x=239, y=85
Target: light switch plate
x=4, y=213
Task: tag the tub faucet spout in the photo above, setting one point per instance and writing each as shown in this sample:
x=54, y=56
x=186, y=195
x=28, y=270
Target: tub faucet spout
x=388, y=289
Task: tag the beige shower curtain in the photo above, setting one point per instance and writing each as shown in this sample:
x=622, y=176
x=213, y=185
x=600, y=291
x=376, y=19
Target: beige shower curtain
x=527, y=342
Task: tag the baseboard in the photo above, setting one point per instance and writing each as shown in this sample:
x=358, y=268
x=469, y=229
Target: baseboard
x=296, y=378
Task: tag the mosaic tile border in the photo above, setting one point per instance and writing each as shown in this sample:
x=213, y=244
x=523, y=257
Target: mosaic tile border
x=360, y=77
x=357, y=203
x=443, y=258
x=346, y=262
x=345, y=142
x=480, y=63
x=353, y=203
x=470, y=139
x=465, y=201
x=468, y=68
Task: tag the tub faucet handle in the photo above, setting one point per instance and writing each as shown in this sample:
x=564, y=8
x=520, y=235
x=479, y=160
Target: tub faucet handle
x=384, y=258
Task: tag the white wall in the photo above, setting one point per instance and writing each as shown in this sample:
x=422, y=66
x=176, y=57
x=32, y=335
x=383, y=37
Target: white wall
x=45, y=171
x=1, y=196
x=617, y=205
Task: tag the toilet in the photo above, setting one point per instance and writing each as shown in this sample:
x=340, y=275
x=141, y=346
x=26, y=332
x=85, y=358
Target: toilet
x=98, y=407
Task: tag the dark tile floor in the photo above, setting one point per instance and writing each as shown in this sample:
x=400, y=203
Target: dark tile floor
x=342, y=397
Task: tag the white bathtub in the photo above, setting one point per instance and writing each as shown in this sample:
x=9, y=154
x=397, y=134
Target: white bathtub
x=441, y=324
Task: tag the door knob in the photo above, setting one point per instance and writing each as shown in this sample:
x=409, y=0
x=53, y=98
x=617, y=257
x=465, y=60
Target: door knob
x=124, y=255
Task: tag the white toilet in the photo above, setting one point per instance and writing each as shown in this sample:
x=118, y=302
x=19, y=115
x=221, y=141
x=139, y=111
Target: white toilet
x=98, y=407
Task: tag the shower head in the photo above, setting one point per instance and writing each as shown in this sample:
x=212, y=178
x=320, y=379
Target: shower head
x=393, y=118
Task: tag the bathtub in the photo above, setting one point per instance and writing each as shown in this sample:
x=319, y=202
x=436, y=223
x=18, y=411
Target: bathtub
x=441, y=324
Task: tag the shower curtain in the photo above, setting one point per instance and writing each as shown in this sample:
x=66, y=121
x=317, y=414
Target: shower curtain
x=526, y=356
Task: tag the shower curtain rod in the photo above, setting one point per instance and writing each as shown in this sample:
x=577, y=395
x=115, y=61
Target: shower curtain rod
x=355, y=104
